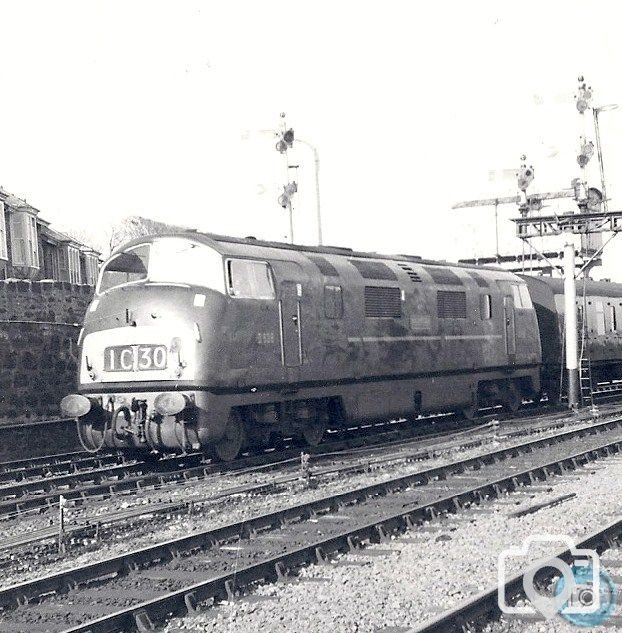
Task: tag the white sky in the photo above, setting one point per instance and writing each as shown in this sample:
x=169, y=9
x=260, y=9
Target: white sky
x=126, y=107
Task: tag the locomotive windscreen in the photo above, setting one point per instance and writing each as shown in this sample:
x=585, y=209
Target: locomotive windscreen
x=125, y=268
x=165, y=260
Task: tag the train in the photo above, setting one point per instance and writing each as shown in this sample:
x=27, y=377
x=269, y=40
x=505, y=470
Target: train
x=201, y=342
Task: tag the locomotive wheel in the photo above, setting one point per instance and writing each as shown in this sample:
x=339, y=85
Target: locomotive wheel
x=314, y=432
x=231, y=443
x=512, y=398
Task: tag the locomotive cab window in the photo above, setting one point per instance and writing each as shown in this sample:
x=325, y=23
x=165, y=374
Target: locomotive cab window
x=124, y=268
x=248, y=279
x=613, y=322
x=333, y=302
x=168, y=260
x=485, y=307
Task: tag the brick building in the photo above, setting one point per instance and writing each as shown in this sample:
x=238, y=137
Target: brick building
x=31, y=249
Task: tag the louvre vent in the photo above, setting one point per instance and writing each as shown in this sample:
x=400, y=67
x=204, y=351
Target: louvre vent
x=451, y=304
x=443, y=276
x=481, y=282
x=373, y=270
x=382, y=302
x=326, y=268
x=414, y=276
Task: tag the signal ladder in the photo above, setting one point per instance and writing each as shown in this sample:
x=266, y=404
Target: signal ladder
x=585, y=365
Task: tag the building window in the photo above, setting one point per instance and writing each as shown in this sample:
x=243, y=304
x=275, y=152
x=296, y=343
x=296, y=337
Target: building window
x=91, y=269
x=333, y=302
x=33, y=243
x=24, y=245
x=3, y=245
x=74, y=265
x=485, y=306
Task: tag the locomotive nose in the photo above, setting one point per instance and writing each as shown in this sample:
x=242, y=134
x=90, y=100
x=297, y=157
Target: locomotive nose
x=75, y=405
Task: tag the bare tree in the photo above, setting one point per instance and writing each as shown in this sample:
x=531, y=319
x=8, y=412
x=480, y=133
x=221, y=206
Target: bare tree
x=137, y=226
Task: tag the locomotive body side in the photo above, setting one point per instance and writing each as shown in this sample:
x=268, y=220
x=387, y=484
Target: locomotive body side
x=217, y=342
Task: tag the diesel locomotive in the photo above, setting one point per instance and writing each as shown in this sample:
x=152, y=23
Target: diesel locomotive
x=202, y=342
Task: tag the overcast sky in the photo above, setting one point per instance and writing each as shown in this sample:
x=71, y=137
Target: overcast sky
x=157, y=108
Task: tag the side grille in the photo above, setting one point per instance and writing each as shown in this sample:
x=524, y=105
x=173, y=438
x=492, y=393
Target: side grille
x=382, y=302
x=451, y=304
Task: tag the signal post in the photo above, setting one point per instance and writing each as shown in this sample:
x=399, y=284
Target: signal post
x=593, y=217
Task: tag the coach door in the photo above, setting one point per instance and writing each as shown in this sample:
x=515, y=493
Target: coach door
x=291, y=325
x=510, y=326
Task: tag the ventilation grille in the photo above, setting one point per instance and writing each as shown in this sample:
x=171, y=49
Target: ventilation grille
x=451, y=305
x=443, y=276
x=373, y=270
x=414, y=276
x=326, y=268
x=381, y=302
x=481, y=282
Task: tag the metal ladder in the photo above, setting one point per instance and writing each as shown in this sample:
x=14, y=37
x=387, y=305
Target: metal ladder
x=585, y=365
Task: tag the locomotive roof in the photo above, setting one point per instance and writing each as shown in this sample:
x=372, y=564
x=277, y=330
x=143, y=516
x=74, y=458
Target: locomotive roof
x=222, y=244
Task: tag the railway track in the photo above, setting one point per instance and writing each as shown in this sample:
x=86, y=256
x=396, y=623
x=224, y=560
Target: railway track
x=86, y=477
x=66, y=464
x=481, y=609
x=142, y=587
x=81, y=486
x=30, y=470
x=94, y=525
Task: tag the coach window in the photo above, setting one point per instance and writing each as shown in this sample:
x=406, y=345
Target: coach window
x=333, y=302
x=613, y=323
x=485, y=307
x=248, y=279
x=600, y=318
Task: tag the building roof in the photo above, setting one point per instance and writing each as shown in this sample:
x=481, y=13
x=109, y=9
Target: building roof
x=50, y=234
x=16, y=203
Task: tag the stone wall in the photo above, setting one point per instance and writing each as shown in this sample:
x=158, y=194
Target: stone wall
x=39, y=327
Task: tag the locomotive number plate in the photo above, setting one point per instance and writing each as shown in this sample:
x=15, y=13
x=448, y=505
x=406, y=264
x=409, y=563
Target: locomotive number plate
x=135, y=358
